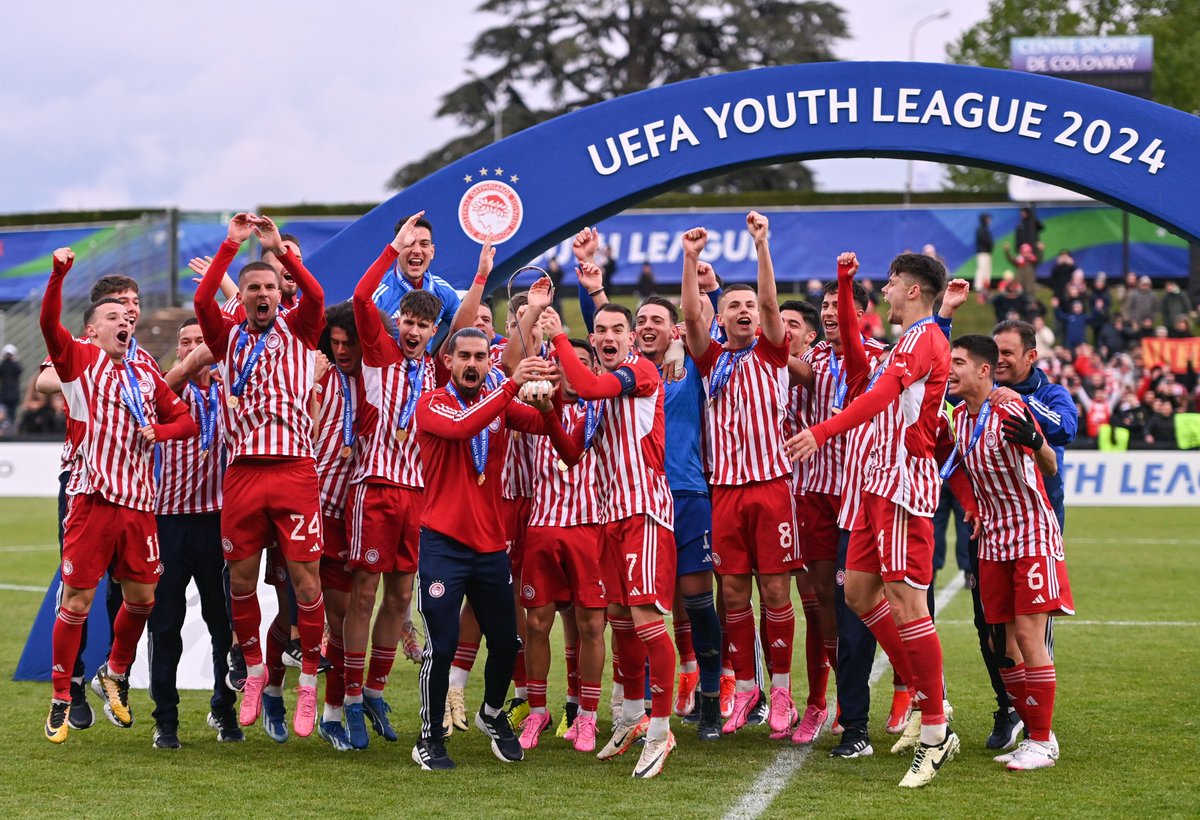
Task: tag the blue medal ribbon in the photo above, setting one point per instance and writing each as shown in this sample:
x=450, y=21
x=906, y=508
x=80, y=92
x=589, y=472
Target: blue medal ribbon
x=131, y=396
x=206, y=408
x=951, y=463
x=239, y=384
x=593, y=415
x=347, y=409
x=479, y=441
x=839, y=382
x=131, y=354
x=723, y=369
x=416, y=383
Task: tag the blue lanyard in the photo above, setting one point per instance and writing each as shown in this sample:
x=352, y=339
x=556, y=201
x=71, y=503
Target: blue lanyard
x=131, y=354
x=207, y=410
x=416, y=383
x=479, y=441
x=839, y=382
x=723, y=369
x=951, y=464
x=883, y=364
x=593, y=415
x=131, y=396
x=347, y=413
x=239, y=384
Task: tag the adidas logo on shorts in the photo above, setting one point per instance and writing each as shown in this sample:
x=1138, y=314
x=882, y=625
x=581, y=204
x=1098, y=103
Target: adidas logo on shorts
x=1040, y=599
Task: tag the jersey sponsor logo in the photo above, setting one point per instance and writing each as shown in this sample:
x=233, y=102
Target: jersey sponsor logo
x=991, y=440
x=437, y=589
x=527, y=592
x=491, y=209
x=67, y=567
x=1040, y=599
x=372, y=556
x=634, y=592
x=226, y=545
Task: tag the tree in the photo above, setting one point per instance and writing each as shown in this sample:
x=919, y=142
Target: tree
x=1174, y=24
x=558, y=55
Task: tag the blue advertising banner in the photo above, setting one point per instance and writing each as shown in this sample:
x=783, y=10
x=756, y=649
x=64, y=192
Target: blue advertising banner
x=1082, y=55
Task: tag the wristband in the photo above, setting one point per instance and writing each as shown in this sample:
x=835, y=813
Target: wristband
x=597, y=290
x=480, y=279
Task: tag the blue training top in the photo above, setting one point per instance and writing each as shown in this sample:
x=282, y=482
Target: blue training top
x=393, y=287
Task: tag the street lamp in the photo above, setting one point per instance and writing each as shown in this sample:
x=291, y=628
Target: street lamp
x=497, y=109
x=912, y=56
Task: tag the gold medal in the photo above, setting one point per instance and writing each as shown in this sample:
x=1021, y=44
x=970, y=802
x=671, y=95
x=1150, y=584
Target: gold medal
x=516, y=435
x=401, y=434
x=835, y=410
x=482, y=478
x=231, y=401
x=345, y=452
x=562, y=466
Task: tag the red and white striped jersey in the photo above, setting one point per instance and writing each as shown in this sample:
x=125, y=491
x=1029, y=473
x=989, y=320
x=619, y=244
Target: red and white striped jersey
x=520, y=465
x=902, y=465
x=563, y=498
x=496, y=352
x=333, y=470
x=746, y=420
x=271, y=418
x=386, y=387
x=629, y=444
x=794, y=421
x=1017, y=518
x=828, y=466
x=113, y=459
x=190, y=478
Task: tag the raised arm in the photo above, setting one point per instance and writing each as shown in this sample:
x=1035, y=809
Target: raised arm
x=587, y=384
x=768, y=301
x=468, y=308
x=955, y=297
x=694, y=322
x=310, y=313
x=541, y=296
x=858, y=369
x=371, y=332
x=591, y=287
x=60, y=344
x=186, y=368
x=213, y=324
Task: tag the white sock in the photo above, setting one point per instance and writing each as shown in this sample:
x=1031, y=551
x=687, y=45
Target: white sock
x=632, y=711
x=783, y=681
x=539, y=710
x=573, y=699
x=256, y=671
x=933, y=733
x=273, y=691
x=587, y=714
x=726, y=672
x=491, y=711
x=658, y=728
x=618, y=692
x=521, y=692
x=458, y=677
x=372, y=693
x=308, y=680
x=331, y=714
x=352, y=699
x=689, y=666
x=745, y=686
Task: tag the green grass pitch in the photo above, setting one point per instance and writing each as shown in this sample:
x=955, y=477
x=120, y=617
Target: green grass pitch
x=1126, y=718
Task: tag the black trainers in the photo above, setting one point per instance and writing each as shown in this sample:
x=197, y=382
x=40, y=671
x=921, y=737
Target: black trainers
x=758, y=715
x=293, y=656
x=570, y=712
x=709, y=727
x=324, y=666
x=57, y=727
x=226, y=724
x=1006, y=728
x=855, y=743
x=80, y=714
x=236, y=679
x=430, y=755
x=166, y=737
x=505, y=745
x=113, y=689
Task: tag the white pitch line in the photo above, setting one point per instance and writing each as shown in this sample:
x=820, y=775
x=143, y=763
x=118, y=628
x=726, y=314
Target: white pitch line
x=20, y=588
x=1062, y=622
x=30, y=548
x=773, y=779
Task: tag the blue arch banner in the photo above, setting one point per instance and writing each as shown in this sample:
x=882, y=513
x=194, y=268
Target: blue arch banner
x=539, y=186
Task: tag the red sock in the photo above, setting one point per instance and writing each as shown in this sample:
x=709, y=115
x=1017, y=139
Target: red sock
x=925, y=656
x=739, y=642
x=830, y=648
x=1040, y=682
x=632, y=670
x=814, y=654
x=589, y=696
x=683, y=641
x=380, y=668
x=518, y=675
x=879, y=621
x=310, y=623
x=464, y=655
x=661, y=652
x=572, y=653
x=335, y=678
x=616, y=665
x=355, y=662
x=780, y=634
x=64, y=646
x=277, y=639
x=1014, y=687
x=247, y=622
x=537, y=693
x=127, y=631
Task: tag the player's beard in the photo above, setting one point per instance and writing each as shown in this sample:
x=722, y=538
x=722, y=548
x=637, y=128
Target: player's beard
x=468, y=391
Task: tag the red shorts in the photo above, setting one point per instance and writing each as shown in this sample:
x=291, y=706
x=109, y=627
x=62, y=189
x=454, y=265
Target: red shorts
x=889, y=541
x=637, y=563
x=335, y=555
x=385, y=527
x=516, y=523
x=1027, y=585
x=819, y=514
x=754, y=528
x=562, y=565
x=271, y=502
x=98, y=534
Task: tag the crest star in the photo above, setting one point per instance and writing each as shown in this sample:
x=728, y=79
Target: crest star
x=513, y=178
x=499, y=172
x=483, y=172
x=467, y=178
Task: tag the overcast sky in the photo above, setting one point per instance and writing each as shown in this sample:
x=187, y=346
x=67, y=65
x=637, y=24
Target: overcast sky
x=220, y=106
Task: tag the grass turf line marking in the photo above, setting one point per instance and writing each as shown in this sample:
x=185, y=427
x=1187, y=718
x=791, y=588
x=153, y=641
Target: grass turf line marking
x=30, y=548
x=767, y=786
x=20, y=588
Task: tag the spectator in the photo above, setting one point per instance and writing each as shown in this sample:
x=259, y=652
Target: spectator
x=1160, y=427
x=1181, y=329
x=1145, y=330
x=646, y=286
x=1130, y=414
x=1024, y=265
x=555, y=272
x=1029, y=232
x=1045, y=338
x=872, y=324
x=1176, y=303
x=606, y=262
x=10, y=383
x=1012, y=302
x=984, y=245
x=1060, y=274
x=814, y=293
x=1141, y=303
x=1073, y=324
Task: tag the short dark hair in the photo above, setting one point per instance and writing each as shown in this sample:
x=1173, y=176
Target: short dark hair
x=1023, y=329
x=341, y=316
x=860, y=293
x=982, y=349
x=253, y=266
x=464, y=333
x=736, y=286
x=581, y=344
x=518, y=301
x=929, y=272
x=666, y=304
x=188, y=322
x=94, y=306
x=810, y=315
x=113, y=283
x=420, y=223
x=615, y=307
x=283, y=237
x=422, y=304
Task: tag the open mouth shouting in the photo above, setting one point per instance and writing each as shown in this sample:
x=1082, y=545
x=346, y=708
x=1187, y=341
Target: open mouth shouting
x=412, y=346
x=470, y=376
x=123, y=337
